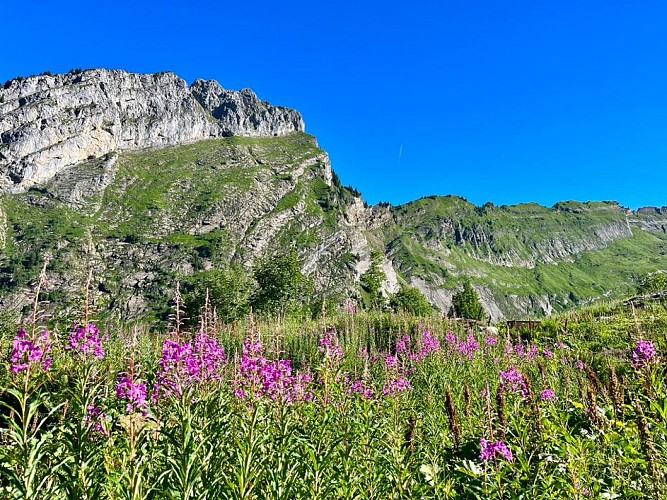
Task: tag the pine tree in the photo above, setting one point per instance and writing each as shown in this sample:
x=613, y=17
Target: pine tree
x=465, y=303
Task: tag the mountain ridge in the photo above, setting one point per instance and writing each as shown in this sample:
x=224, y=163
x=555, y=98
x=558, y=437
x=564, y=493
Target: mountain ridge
x=245, y=182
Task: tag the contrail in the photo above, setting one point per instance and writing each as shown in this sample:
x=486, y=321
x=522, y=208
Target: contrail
x=400, y=153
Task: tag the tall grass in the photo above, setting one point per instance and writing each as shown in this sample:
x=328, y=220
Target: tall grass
x=353, y=406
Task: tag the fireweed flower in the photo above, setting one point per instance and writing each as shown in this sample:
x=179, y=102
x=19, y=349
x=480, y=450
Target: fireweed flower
x=358, y=387
x=546, y=353
x=85, y=341
x=450, y=339
x=27, y=352
x=532, y=352
x=489, y=450
x=643, y=353
x=403, y=345
x=186, y=364
x=391, y=361
x=512, y=381
x=96, y=419
x=468, y=347
x=548, y=394
x=133, y=393
x=429, y=344
x=263, y=377
x=395, y=386
x=330, y=347
x=490, y=340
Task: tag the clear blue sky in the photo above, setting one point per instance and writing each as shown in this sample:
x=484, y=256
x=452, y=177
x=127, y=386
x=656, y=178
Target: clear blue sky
x=503, y=101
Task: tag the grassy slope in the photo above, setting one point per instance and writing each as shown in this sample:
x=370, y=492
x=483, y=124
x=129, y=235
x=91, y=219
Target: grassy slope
x=160, y=200
x=514, y=232
x=164, y=197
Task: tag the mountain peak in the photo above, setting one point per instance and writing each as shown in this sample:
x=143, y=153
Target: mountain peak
x=49, y=122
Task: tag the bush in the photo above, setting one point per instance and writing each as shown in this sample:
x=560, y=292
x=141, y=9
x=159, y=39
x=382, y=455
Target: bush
x=653, y=283
x=465, y=303
x=410, y=300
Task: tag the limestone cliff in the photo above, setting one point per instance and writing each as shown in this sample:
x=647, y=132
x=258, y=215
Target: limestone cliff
x=50, y=122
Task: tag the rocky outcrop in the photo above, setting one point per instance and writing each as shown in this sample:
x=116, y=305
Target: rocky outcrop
x=242, y=113
x=50, y=122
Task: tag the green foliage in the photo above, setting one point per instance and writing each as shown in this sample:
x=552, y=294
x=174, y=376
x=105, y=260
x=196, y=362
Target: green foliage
x=465, y=303
x=229, y=290
x=281, y=286
x=600, y=435
x=410, y=300
x=653, y=283
x=371, y=283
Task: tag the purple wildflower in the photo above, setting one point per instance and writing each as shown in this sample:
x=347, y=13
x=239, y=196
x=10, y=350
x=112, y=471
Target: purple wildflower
x=489, y=450
x=403, y=345
x=450, y=339
x=468, y=347
x=512, y=381
x=358, y=387
x=490, y=340
x=391, y=361
x=96, y=418
x=133, y=392
x=643, y=353
x=547, y=353
x=394, y=386
x=187, y=364
x=85, y=341
x=429, y=344
x=330, y=347
x=27, y=352
x=263, y=377
x=548, y=394
x=532, y=352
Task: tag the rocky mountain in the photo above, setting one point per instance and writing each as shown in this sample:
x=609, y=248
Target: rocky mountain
x=144, y=179
x=50, y=122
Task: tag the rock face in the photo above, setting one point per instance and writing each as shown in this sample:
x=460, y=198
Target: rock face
x=242, y=113
x=50, y=122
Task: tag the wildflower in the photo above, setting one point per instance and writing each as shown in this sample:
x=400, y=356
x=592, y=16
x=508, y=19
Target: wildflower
x=85, y=341
x=548, y=394
x=186, y=364
x=263, y=377
x=580, y=364
x=490, y=340
x=96, y=418
x=468, y=347
x=27, y=352
x=402, y=345
x=395, y=386
x=643, y=353
x=133, y=392
x=391, y=361
x=512, y=381
x=330, y=347
x=547, y=353
x=429, y=344
x=532, y=352
x=450, y=339
x=491, y=449
x=358, y=387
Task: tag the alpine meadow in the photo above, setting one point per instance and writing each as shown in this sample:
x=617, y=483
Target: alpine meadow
x=194, y=305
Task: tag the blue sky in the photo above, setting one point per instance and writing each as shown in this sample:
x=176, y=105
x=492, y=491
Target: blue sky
x=491, y=100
